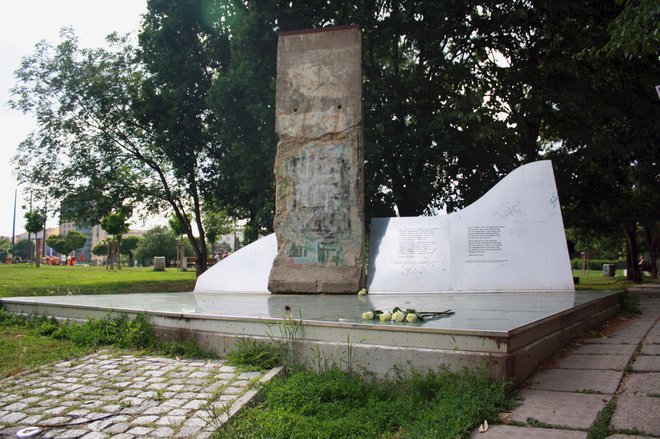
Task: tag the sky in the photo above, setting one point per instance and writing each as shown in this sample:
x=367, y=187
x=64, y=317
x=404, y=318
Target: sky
x=22, y=25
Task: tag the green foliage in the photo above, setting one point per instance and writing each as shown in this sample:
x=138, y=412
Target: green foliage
x=337, y=404
x=184, y=349
x=5, y=248
x=101, y=249
x=159, y=241
x=120, y=331
x=22, y=249
x=629, y=304
x=634, y=32
x=66, y=244
x=251, y=353
x=26, y=342
x=35, y=221
x=176, y=225
x=216, y=224
x=8, y=319
x=600, y=429
x=594, y=264
x=116, y=223
x=97, y=108
x=128, y=245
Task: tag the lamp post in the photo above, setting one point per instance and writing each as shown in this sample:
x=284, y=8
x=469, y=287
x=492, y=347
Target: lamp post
x=13, y=230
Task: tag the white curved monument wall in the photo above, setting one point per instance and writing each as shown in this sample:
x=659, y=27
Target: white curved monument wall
x=246, y=270
x=511, y=239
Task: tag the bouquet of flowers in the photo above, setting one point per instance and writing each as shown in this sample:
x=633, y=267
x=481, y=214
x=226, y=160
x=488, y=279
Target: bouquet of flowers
x=398, y=315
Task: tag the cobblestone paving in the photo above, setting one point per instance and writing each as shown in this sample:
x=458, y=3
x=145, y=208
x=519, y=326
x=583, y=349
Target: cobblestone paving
x=110, y=395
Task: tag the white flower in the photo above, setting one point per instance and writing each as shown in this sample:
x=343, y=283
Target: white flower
x=368, y=315
x=398, y=316
x=384, y=317
x=362, y=292
x=411, y=317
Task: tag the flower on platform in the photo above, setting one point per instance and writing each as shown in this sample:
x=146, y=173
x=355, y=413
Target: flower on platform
x=287, y=308
x=362, y=292
x=398, y=316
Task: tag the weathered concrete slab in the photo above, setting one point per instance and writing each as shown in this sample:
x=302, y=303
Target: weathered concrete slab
x=619, y=349
x=647, y=363
x=644, y=384
x=572, y=410
x=627, y=436
x=650, y=349
x=653, y=336
x=633, y=340
x=576, y=380
x=586, y=361
x=637, y=412
x=319, y=218
x=512, y=432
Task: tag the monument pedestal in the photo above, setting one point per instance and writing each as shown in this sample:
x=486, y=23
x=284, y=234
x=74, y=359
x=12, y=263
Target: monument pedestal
x=316, y=279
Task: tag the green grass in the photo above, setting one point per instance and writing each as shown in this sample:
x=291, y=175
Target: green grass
x=594, y=280
x=29, y=342
x=600, y=428
x=337, y=404
x=22, y=348
x=26, y=280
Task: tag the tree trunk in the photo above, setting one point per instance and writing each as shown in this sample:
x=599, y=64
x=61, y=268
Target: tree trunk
x=111, y=246
x=653, y=254
x=632, y=253
x=37, y=259
x=118, y=243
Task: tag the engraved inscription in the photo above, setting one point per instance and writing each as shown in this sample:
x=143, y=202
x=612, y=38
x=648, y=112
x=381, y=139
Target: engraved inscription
x=484, y=241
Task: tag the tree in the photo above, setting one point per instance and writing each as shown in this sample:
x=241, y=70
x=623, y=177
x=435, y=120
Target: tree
x=94, y=106
x=35, y=221
x=603, y=127
x=116, y=224
x=128, y=246
x=159, y=241
x=22, y=249
x=64, y=245
x=5, y=248
x=182, y=51
x=101, y=249
x=216, y=225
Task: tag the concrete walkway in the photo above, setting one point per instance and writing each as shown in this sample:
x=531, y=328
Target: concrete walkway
x=621, y=367
x=110, y=395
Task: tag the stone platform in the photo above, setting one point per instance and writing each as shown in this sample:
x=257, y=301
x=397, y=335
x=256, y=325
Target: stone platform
x=511, y=333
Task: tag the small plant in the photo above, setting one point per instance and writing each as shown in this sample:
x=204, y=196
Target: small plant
x=600, y=428
x=288, y=328
x=159, y=395
x=629, y=304
x=249, y=352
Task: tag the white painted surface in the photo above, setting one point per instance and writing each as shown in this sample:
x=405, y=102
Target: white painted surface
x=511, y=239
x=246, y=270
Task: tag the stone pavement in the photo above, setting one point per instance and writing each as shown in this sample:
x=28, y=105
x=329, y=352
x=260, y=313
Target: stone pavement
x=620, y=368
x=110, y=395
